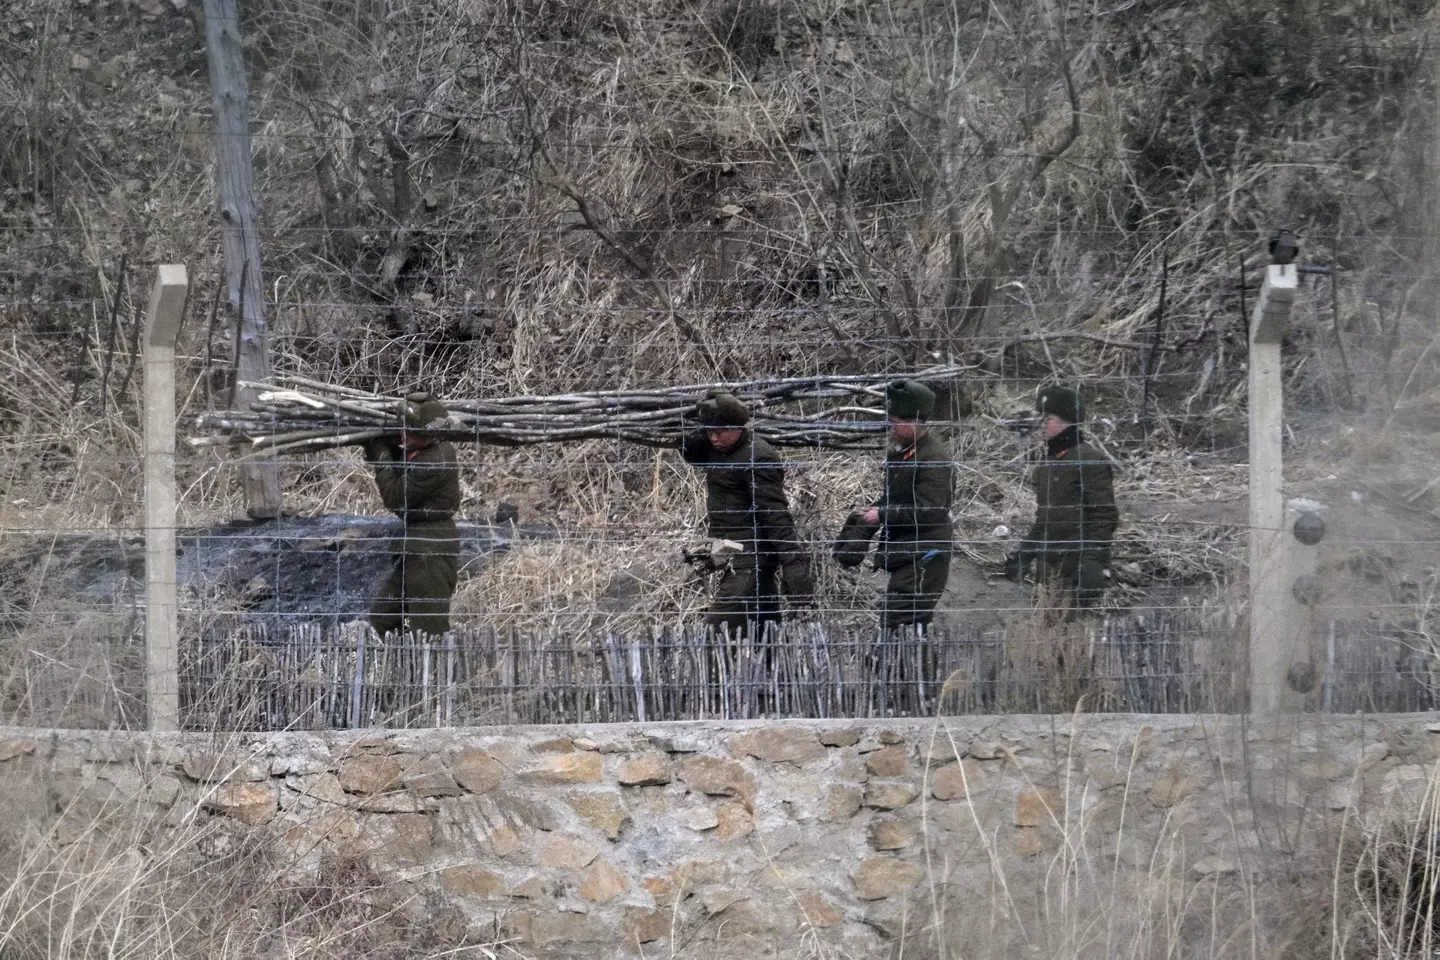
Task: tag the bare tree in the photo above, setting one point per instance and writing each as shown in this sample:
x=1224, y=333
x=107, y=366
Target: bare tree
x=235, y=198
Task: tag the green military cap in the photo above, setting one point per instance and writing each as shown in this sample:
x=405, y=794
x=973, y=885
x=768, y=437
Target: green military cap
x=909, y=400
x=421, y=410
x=1062, y=402
x=721, y=410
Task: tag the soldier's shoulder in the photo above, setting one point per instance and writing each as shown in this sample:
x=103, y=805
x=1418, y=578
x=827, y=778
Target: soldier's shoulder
x=931, y=449
x=764, y=451
x=1087, y=453
x=442, y=453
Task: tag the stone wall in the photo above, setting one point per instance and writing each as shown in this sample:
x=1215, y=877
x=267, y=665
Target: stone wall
x=737, y=839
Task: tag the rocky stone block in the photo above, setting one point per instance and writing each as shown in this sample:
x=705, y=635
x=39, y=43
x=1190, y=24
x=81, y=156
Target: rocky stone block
x=646, y=925
x=890, y=834
x=402, y=838
x=841, y=803
x=472, y=882
x=252, y=803
x=818, y=911
x=560, y=852
x=531, y=888
x=957, y=780
x=699, y=818
x=840, y=738
x=16, y=747
x=324, y=787
x=476, y=770
x=887, y=761
x=163, y=791
x=370, y=774
x=217, y=767
x=881, y=877
x=127, y=781
x=648, y=770
x=603, y=882
x=889, y=796
x=1031, y=842
x=567, y=768
x=778, y=745
x=716, y=777
x=733, y=821
x=603, y=810
x=428, y=777
x=1036, y=806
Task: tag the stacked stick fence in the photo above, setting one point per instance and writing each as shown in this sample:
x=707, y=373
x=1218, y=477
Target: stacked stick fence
x=1159, y=661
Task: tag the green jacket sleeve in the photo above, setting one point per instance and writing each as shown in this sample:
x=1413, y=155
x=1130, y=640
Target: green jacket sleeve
x=1101, y=515
x=772, y=511
x=695, y=447
x=1074, y=505
x=924, y=501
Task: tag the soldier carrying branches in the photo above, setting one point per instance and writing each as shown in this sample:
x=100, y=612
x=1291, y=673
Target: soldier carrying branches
x=419, y=481
x=746, y=504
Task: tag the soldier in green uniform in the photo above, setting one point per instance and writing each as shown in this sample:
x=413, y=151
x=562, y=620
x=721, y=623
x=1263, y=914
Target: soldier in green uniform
x=419, y=480
x=1075, y=515
x=913, y=512
x=745, y=503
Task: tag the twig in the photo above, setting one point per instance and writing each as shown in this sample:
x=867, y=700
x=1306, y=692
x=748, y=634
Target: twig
x=1154, y=349
x=1099, y=338
x=111, y=336
x=210, y=341
x=1339, y=338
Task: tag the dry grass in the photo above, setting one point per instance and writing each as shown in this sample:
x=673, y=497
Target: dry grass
x=106, y=876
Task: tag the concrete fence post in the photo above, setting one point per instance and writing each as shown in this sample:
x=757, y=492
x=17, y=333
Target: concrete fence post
x=1272, y=607
x=162, y=325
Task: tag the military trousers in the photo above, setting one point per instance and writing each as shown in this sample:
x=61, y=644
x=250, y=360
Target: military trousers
x=1075, y=577
x=913, y=591
x=415, y=596
x=747, y=598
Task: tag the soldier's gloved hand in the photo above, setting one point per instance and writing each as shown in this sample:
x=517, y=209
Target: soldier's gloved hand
x=1015, y=565
x=379, y=450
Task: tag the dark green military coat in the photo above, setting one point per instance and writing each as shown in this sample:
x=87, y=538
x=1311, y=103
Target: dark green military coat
x=745, y=494
x=915, y=506
x=1074, y=503
x=745, y=502
x=423, y=490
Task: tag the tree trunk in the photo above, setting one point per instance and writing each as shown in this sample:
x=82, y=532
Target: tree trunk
x=235, y=196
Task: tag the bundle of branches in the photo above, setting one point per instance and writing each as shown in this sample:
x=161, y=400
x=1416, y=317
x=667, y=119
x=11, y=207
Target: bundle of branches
x=833, y=412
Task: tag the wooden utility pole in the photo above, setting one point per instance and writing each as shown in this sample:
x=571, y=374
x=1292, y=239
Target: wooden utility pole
x=235, y=196
x=162, y=323
x=1272, y=606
